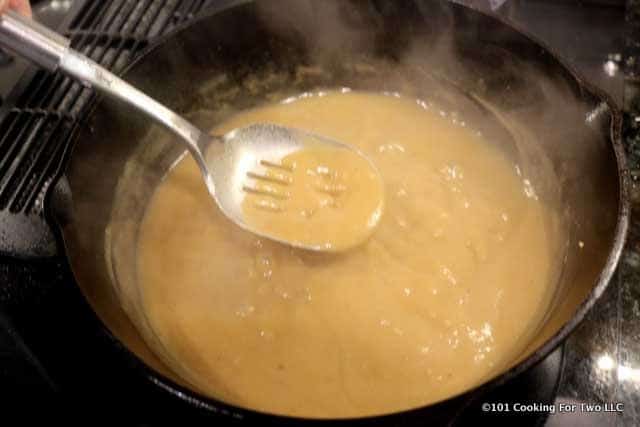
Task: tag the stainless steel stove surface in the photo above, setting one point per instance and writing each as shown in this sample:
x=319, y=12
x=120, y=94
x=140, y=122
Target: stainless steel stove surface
x=598, y=365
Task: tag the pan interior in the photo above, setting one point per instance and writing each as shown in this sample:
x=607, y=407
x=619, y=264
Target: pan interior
x=498, y=81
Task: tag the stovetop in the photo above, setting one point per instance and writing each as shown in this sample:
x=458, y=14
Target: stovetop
x=598, y=365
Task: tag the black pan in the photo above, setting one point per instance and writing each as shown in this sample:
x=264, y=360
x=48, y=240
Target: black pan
x=246, y=53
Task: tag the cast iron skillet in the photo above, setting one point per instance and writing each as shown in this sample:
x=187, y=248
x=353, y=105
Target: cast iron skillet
x=246, y=53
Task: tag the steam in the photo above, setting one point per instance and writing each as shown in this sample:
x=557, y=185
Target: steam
x=325, y=26
x=419, y=49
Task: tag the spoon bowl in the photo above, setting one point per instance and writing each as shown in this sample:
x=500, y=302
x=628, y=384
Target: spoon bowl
x=231, y=163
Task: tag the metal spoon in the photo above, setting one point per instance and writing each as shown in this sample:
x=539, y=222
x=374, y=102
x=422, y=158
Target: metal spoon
x=226, y=161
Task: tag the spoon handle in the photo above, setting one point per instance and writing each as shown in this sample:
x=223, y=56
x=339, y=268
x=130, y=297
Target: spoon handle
x=52, y=51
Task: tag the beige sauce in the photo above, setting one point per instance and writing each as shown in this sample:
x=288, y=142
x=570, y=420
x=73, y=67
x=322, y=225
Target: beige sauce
x=442, y=295
x=321, y=197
